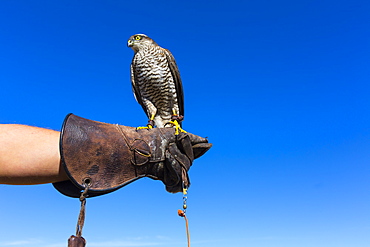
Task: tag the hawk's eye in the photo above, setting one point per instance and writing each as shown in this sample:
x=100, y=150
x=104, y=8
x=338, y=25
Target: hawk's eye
x=138, y=37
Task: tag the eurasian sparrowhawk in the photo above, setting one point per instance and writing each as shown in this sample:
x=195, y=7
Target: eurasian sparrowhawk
x=156, y=82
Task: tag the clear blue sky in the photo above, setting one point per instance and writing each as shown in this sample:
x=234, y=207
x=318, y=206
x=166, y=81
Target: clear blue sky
x=281, y=88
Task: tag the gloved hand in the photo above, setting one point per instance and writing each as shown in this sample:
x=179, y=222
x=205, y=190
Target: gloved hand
x=106, y=157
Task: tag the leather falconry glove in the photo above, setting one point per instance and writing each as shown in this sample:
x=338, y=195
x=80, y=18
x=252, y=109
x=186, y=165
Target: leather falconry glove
x=106, y=157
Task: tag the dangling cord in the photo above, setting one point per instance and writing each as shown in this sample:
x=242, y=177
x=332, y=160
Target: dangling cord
x=81, y=217
x=182, y=213
x=78, y=240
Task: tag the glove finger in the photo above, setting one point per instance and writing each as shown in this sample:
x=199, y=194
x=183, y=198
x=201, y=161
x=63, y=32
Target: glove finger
x=185, y=146
x=200, y=145
x=171, y=175
x=178, y=187
x=196, y=139
x=183, y=163
x=181, y=158
x=200, y=149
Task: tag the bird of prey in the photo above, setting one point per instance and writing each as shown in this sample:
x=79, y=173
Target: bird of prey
x=156, y=83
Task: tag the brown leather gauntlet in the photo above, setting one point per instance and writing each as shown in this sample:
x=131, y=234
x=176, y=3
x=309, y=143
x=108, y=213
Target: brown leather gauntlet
x=107, y=157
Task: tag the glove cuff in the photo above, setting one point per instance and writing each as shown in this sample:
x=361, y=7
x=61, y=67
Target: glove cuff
x=101, y=155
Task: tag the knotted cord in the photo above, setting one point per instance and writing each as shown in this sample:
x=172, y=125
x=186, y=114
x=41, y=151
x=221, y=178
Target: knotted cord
x=78, y=240
x=81, y=216
x=182, y=213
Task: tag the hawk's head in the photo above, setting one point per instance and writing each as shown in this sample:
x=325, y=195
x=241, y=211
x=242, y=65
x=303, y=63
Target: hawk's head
x=138, y=41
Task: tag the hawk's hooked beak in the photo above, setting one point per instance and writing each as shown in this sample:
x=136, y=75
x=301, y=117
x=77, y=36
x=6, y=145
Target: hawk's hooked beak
x=130, y=43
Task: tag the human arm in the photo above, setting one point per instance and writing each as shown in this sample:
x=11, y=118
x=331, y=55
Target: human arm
x=29, y=155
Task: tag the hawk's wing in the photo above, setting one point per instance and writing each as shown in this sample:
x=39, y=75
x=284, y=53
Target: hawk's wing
x=177, y=80
x=136, y=91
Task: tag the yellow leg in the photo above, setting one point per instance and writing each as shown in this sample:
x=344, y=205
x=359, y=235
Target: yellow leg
x=149, y=125
x=176, y=123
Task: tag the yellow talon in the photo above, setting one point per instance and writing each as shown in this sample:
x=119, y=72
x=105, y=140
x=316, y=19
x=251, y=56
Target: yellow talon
x=149, y=126
x=177, y=127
